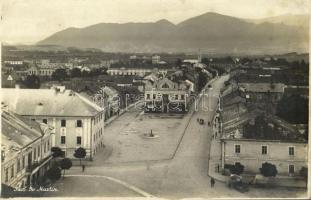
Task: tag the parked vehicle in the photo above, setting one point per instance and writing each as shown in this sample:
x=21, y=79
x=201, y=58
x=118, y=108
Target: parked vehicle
x=241, y=187
x=235, y=181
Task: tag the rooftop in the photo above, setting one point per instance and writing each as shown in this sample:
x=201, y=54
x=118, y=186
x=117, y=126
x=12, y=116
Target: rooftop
x=258, y=125
x=263, y=87
x=18, y=132
x=48, y=102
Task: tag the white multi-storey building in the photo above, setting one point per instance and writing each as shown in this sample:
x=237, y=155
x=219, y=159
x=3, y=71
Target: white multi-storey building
x=78, y=122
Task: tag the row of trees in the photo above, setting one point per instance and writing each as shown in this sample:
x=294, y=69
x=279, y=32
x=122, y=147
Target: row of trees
x=34, y=82
x=61, y=74
x=267, y=170
x=54, y=173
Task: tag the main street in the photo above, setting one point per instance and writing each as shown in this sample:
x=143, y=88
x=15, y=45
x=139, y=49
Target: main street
x=174, y=165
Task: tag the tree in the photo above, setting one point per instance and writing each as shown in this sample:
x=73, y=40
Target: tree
x=202, y=80
x=293, y=109
x=57, y=152
x=238, y=168
x=75, y=72
x=59, y=74
x=80, y=153
x=65, y=164
x=32, y=82
x=205, y=61
x=178, y=62
x=54, y=173
x=268, y=169
x=85, y=73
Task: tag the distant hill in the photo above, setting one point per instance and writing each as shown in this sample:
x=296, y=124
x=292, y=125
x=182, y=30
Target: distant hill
x=210, y=32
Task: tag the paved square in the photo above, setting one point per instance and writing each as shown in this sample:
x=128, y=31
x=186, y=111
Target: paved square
x=125, y=137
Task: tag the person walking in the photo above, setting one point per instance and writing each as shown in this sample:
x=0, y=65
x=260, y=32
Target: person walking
x=83, y=168
x=212, y=182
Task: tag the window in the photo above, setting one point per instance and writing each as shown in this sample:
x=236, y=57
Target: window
x=45, y=121
x=79, y=140
x=237, y=148
x=39, y=152
x=18, y=165
x=154, y=96
x=176, y=97
x=63, y=123
x=291, y=169
x=182, y=97
x=35, y=153
x=264, y=150
x=12, y=171
x=62, y=139
x=79, y=123
x=33, y=119
x=291, y=151
x=23, y=162
x=6, y=175
x=148, y=96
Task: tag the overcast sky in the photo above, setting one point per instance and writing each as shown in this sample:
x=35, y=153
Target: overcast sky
x=28, y=21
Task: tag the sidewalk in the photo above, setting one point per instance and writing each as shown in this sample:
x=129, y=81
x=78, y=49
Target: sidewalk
x=215, y=161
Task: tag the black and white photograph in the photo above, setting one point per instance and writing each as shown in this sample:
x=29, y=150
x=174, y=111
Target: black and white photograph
x=168, y=99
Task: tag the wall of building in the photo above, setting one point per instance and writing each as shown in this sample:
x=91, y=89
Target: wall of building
x=278, y=153
x=36, y=152
x=98, y=132
x=139, y=72
x=91, y=126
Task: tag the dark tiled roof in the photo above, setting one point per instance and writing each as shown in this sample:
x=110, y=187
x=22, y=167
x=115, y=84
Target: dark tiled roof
x=271, y=127
x=18, y=129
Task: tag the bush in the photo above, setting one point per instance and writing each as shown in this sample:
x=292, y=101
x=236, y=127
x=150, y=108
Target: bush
x=65, y=164
x=268, y=170
x=54, y=173
x=57, y=152
x=238, y=169
x=80, y=153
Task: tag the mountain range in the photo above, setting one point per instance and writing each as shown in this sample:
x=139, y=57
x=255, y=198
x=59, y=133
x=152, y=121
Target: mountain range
x=209, y=33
